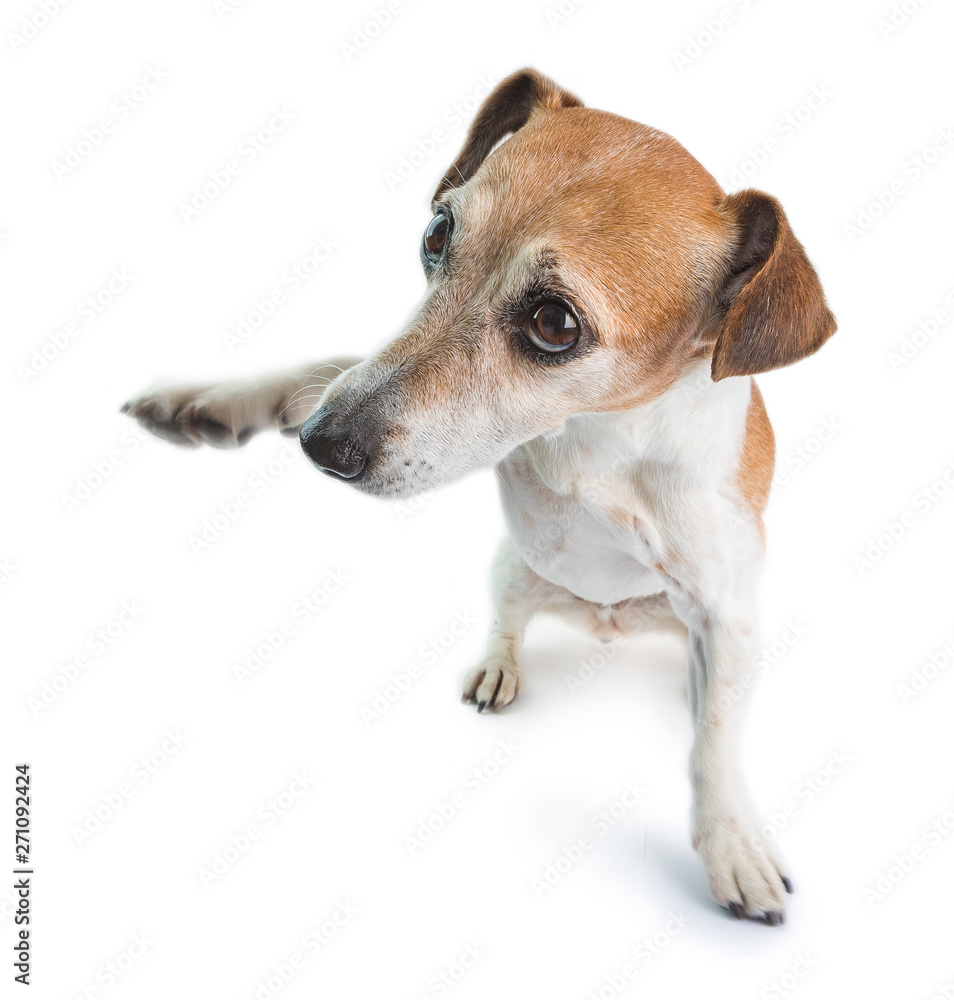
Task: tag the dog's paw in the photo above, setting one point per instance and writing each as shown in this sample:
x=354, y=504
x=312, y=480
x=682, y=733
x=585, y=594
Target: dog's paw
x=493, y=683
x=743, y=876
x=192, y=415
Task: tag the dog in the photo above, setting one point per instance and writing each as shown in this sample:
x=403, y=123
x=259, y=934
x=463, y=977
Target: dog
x=596, y=308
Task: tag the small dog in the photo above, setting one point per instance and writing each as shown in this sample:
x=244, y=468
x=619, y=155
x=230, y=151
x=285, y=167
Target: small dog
x=595, y=309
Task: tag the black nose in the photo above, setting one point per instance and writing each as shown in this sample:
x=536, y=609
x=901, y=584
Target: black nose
x=332, y=449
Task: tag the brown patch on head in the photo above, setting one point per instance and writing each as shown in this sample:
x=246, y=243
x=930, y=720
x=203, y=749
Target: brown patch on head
x=671, y=268
x=619, y=218
x=757, y=461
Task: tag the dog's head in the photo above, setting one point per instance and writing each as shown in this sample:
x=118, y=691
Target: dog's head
x=576, y=262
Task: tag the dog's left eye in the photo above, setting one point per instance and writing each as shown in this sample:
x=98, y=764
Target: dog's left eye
x=435, y=236
x=553, y=328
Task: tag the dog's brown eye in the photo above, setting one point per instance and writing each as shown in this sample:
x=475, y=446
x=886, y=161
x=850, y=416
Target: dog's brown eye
x=435, y=236
x=553, y=328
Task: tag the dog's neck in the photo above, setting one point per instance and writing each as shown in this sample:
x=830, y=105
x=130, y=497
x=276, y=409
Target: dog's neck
x=594, y=507
x=696, y=424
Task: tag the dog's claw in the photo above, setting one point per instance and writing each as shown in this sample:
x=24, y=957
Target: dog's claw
x=211, y=431
x=787, y=882
x=493, y=684
x=737, y=910
x=774, y=917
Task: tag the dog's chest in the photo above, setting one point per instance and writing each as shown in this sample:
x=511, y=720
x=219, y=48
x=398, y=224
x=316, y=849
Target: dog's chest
x=627, y=504
x=580, y=534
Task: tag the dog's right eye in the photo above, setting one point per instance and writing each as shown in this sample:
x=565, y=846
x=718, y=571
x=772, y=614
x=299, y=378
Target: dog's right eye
x=553, y=328
x=435, y=236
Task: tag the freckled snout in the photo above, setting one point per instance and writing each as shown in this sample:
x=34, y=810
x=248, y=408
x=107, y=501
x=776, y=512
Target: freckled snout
x=334, y=447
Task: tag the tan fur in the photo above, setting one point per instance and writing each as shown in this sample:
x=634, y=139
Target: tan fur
x=646, y=297
x=757, y=462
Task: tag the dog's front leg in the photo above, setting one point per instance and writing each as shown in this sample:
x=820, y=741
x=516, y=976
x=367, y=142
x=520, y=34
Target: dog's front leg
x=227, y=414
x=744, y=875
x=518, y=593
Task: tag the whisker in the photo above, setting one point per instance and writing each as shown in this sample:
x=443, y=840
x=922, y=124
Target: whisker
x=305, y=388
x=301, y=399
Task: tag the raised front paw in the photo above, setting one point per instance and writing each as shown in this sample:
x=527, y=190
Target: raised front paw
x=743, y=876
x=194, y=415
x=493, y=683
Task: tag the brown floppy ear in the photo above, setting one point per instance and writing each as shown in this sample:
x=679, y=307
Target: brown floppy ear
x=506, y=109
x=775, y=309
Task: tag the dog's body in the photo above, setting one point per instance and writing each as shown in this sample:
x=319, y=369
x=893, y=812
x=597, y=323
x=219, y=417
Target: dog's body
x=596, y=307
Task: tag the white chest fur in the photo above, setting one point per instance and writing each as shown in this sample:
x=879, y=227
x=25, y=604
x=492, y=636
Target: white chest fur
x=603, y=506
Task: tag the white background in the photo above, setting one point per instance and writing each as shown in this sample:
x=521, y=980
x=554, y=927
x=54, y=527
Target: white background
x=869, y=609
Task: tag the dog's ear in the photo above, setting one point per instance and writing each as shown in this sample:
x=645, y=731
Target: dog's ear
x=775, y=309
x=506, y=109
